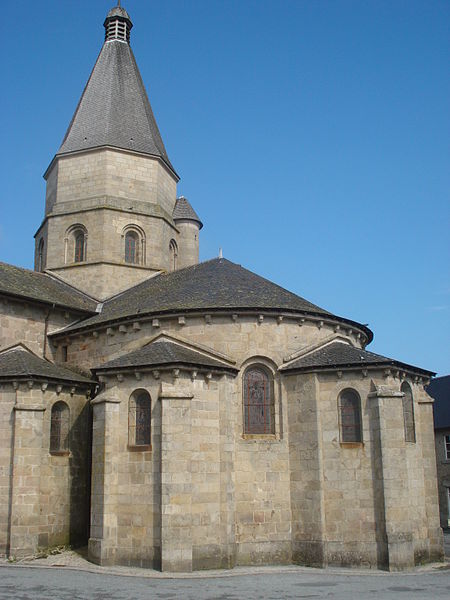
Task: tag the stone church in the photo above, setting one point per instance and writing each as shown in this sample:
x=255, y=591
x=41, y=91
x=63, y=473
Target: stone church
x=180, y=415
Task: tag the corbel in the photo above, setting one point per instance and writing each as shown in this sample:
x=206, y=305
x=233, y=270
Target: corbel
x=176, y=373
x=44, y=385
x=234, y=317
x=136, y=325
x=59, y=389
x=181, y=320
x=279, y=319
x=119, y=377
x=122, y=328
x=155, y=323
x=109, y=331
x=208, y=319
x=155, y=374
x=193, y=375
x=138, y=375
x=260, y=318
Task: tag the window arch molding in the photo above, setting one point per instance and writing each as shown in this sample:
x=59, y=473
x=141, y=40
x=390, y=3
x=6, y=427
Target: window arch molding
x=139, y=419
x=259, y=385
x=408, y=412
x=75, y=244
x=350, y=416
x=133, y=254
x=59, y=428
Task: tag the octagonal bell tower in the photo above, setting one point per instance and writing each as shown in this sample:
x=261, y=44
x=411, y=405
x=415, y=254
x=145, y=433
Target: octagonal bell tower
x=111, y=188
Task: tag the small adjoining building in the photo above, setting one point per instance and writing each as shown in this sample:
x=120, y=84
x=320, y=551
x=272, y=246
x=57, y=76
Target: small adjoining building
x=182, y=415
x=439, y=389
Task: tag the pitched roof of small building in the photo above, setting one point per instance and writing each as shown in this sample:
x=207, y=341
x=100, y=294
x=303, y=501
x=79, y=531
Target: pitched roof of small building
x=18, y=362
x=114, y=109
x=162, y=353
x=439, y=389
x=212, y=285
x=341, y=354
x=41, y=287
x=184, y=211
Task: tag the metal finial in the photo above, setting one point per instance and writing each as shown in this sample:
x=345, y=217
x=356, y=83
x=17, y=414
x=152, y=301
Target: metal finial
x=118, y=2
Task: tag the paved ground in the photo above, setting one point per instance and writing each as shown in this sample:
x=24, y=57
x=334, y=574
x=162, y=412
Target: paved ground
x=68, y=576
x=34, y=583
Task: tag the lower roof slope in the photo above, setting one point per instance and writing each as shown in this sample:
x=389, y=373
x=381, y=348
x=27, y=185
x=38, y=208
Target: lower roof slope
x=341, y=354
x=439, y=389
x=41, y=287
x=163, y=353
x=212, y=285
x=19, y=362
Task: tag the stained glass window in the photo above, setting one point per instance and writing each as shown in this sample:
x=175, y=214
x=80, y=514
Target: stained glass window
x=132, y=247
x=350, y=416
x=139, y=419
x=258, y=401
x=79, y=246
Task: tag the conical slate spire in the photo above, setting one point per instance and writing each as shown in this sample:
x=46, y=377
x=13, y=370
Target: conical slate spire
x=114, y=109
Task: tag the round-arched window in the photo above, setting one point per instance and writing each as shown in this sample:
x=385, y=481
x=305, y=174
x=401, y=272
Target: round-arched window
x=259, y=417
x=350, y=416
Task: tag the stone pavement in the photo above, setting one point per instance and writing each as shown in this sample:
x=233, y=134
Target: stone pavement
x=69, y=576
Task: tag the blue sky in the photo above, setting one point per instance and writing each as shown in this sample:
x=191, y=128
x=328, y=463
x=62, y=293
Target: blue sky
x=310, y=137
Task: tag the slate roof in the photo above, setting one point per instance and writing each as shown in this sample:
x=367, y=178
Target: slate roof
x=19, y=362
x=41, y=287
x=163, y=353
x=209, y=286
x=184, y=210
x=341, y=354
x=114, y=109
x=439, y=389
x=118, y=11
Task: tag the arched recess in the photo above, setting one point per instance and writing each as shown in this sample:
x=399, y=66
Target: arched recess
x=75, y=244
x=350, y=422
x=408, y=412
x=173, y=253
x=133, y=245
x=139, y=419
x=59, y=427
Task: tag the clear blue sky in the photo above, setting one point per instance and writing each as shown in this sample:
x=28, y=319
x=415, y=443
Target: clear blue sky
x=310, y=136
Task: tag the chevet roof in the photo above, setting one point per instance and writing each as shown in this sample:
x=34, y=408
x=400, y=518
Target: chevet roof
x=209, y=286
x=340, y=354
x=19, y=362
x=114, y=109
x=18, y=282
x=163, y=353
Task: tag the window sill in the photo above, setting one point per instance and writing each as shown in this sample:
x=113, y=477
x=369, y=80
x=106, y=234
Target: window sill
x=260, y=436
x=351, y=444
x=143, y=448
x=59, y=452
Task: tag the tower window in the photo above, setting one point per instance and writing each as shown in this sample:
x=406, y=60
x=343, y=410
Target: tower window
x=79, y=247
x=408, y=413
x=132, y=247
x=259, y=417
x=350, y=416
x=139, y=419
x=59, y=428
x=173, y=251
x=41, y=256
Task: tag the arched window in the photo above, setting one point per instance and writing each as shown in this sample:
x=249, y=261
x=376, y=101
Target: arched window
x=41, y=256
x=79, y=237
x=350, y=416
x=408, y=413
x=259, y=406
x=59, y=428
x=173, y=250
x=132, y=247
x=139, y=419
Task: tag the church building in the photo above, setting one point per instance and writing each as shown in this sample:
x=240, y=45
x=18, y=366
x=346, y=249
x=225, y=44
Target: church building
x=179, y=415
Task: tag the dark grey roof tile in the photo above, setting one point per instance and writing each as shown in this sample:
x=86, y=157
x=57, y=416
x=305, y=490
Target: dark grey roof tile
x=439, y=389
x=41, y=287
x=212, y=285
x=163, y=353
x=19, y=362
x=184, y=211
x=114, y=109
x=340, y=354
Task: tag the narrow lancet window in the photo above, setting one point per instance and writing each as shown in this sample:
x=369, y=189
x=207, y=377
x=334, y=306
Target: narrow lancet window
x=350, y=416
x=173, y=250
x=132, y=247
x=139, y=419
x=258, y=401
x=79, y=246
x=59, y=428
x=408, y=413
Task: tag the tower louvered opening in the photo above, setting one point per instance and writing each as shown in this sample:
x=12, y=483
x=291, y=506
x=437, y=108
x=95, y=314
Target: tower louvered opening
x=117, y=29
